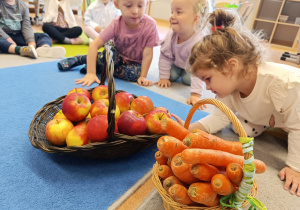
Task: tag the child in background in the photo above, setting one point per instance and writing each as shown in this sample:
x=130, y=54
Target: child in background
x=176, y=46
x=98, y=15
x=134, y=35
x=16, y=34
x=264, y=94
x=60, y=24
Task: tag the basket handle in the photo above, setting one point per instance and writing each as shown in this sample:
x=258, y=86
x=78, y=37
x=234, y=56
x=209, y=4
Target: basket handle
x=108, y=74
x=247, y=143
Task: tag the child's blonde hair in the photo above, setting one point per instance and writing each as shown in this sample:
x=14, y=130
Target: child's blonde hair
x=201, y=6
x=228, y=39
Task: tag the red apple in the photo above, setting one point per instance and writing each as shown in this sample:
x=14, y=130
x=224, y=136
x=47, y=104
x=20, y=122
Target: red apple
x=100, y=92
x=123, y=101
x=154, y=119
x=142, y=104
x=164, y=109
x=100, y=107
x=76, y=107
x=82, y=91
x=78, y=135
x=57, y=130
x=132, y=123
x=97, y=128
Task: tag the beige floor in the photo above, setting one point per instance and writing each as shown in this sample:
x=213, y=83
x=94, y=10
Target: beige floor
x=145, y=196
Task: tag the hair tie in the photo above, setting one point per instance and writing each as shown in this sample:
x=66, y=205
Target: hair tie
x=213, y=28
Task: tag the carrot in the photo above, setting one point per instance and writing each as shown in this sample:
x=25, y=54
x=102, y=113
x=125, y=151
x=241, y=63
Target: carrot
x=222, y=185
x=204, y=171
x=173, y=128
x=202, y=193
x=217, y=158
x=164, y=171
x=204, y=140
x=170, y=181
x=160, y=158
x=180, y=194
x=234, y=172
x=182, y=170
x=214, y=202
x=169, y=161
x=170, y=146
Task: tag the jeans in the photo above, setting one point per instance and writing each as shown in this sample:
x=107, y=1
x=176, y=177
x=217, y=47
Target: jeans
x=177, y=72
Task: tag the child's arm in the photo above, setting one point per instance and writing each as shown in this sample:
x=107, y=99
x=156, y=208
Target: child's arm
x=91, y=76
x=146, y=62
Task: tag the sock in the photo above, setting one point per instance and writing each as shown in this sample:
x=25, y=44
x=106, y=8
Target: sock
x=17, y=50
x=81, y=59
x=67, y=41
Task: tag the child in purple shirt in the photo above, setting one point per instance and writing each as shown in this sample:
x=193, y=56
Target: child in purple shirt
x=133, y=36
x=176, y=46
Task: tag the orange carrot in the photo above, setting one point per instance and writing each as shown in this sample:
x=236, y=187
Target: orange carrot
x=170, y=181
x=182, y=170
x=217, y=158
x=204, y=171
x=180, y=194
x=170, y=146
x=222, y=185
x=235, y=173
x=204, y=140
x=214, y=202
x=169, y=161
x=164, y=171
x=202, y=193
x=173, y=128
x=160, y=158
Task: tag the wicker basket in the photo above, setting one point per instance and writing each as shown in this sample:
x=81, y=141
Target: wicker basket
x=168, y=202
x=118, y=145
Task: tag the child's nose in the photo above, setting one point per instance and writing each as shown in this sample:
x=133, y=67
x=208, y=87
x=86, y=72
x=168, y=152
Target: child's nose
x=135, y=10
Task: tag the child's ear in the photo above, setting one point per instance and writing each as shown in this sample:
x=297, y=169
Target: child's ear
x=233, y=64
x=198, y=18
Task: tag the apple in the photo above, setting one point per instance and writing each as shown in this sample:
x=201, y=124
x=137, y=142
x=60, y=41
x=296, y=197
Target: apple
x=123, y=100
x=59, y=115
x=82, y=91
x=101, y=108
x=97, y=128
x=132, y=123
x=76, y=107
x=142, y=104
x=100, y=92
x=57, y=130
x=154, y=119
x=164, y=109
x=78, y=135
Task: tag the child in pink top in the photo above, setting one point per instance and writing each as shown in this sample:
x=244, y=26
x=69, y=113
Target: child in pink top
x=176, y=46
x=134, y=35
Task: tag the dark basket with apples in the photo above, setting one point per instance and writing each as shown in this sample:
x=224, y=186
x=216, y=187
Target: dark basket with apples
x=117, y=145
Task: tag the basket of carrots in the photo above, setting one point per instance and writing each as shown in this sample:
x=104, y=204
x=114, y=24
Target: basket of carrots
x=197, y=170
x=116, y=145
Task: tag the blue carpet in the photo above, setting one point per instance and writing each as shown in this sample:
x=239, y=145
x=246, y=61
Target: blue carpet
x=32, y=179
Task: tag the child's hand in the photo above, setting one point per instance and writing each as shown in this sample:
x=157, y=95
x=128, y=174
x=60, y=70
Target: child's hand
x=194, y=98
x=292, y=179
x=144, y=82
x=10, y=40
x=87, y=80
x=178, y=119
x=163, y=83
x=98, y=29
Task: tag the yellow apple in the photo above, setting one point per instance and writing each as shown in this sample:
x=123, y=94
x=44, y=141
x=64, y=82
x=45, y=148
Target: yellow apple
x=57, y=130
x=59, y=115
x=78, y=135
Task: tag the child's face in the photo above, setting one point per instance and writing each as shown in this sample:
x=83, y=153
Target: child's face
x=132, y=11
x=104, y=1
x=183, y=16
x=221, y=84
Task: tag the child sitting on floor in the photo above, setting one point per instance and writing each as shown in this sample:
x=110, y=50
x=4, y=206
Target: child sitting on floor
x=176, y=47
x=98, y=15
x=134, y=35
x=60, y=24
x=16, y=34
x=264, y=94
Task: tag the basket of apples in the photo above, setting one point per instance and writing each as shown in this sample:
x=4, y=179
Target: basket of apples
x=100, y=122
